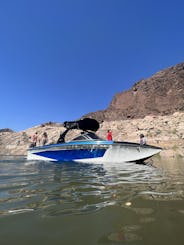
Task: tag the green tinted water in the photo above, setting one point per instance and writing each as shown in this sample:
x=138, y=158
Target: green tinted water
x=89, y=204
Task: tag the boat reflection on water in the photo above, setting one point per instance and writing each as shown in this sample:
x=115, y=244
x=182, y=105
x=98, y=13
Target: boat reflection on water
x=112, y=203
x=79, y=187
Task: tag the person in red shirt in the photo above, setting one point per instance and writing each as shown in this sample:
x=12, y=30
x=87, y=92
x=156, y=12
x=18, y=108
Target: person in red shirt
x=109, y=135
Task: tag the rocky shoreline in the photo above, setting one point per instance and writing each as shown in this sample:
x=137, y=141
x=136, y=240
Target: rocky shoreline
x=164, y=131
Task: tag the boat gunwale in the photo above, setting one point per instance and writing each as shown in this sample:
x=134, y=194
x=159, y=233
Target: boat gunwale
x=92, y=143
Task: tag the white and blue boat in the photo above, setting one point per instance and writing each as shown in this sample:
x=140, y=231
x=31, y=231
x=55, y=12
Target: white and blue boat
x=89, y=148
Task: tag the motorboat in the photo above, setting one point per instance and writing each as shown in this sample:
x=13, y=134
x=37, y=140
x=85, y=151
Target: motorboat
x=87, y=147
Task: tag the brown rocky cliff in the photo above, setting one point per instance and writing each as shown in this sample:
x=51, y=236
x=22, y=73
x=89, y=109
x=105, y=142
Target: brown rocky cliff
x=161, y=94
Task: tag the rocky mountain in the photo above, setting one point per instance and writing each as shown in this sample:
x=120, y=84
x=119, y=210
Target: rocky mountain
x=153, y=106
x=160, y=94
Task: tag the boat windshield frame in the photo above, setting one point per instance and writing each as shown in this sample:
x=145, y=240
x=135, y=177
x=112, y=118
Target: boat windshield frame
x=86, y=136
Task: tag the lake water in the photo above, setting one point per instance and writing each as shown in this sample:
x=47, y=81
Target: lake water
x=46, y=203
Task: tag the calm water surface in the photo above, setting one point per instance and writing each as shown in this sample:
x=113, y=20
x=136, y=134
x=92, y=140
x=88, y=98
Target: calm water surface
x=46, y=203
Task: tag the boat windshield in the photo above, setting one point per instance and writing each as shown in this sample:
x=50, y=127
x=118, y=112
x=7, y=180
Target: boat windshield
x=87, y=136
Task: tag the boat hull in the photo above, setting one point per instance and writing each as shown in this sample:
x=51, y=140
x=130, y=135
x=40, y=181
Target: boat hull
x=93, y=152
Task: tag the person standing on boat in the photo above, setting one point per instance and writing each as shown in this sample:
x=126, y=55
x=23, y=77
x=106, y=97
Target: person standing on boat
x=44, y=138
x=109, y=135
x=142, y=139
x=34, y=139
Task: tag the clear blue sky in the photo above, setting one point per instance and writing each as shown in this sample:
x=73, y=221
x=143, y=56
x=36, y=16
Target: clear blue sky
x=61, y=59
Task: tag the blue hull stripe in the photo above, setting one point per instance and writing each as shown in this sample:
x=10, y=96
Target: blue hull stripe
x=69, y=155
x=74, y=143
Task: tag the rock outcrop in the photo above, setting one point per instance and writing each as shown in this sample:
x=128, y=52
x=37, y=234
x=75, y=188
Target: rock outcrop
x=161, y=94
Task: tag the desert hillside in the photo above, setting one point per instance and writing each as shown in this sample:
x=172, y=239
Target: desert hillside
x=165, y=131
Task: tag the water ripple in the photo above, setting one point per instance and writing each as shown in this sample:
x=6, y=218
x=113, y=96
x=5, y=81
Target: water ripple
x=77, y=188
